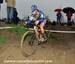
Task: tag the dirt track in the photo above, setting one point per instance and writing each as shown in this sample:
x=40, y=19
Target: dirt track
x=59, y=51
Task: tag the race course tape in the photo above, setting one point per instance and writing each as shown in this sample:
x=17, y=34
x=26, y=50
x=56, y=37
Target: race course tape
x=6, y=27
x=54, y=31
x=57, y=31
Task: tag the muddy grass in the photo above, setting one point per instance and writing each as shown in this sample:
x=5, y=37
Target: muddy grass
x=3, y=39
x=59, y=51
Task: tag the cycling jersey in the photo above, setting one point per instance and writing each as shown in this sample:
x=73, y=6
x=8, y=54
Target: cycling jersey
x=33, y=18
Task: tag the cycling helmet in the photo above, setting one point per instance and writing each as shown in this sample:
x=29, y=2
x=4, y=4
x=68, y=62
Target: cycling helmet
x=33, y=8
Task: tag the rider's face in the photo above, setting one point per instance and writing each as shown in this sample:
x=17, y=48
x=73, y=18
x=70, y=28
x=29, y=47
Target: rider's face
x=35, y=12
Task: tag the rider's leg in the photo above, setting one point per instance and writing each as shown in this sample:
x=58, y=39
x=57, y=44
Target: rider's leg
x=36, y=29
x=42, y=25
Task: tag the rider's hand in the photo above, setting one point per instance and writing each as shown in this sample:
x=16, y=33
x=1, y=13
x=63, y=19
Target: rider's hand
x=25, y=23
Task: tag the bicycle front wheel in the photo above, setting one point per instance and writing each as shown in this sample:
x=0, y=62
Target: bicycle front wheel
x=28, y=43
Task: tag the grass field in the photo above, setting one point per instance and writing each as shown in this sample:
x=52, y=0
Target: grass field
x=3, y=39
x=19, y=30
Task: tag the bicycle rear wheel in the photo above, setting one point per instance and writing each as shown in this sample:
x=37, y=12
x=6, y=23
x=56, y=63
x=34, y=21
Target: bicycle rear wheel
x=28, y=44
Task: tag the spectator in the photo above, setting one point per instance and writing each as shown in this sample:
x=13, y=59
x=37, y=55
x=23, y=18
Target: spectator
x=15, y=16
x=59, y=16
x=10, y=9
x=69, y=15
x=1, y=1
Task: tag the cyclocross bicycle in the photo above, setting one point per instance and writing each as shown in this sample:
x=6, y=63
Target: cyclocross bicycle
x=29, y=42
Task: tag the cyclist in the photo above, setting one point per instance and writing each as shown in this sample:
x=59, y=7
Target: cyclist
x=39, y=18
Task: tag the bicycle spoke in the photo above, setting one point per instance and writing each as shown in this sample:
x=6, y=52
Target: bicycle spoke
x=29, y=45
